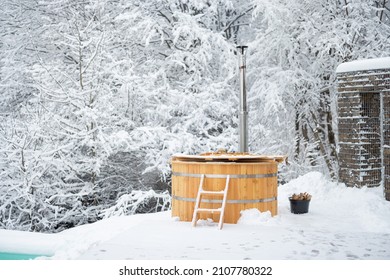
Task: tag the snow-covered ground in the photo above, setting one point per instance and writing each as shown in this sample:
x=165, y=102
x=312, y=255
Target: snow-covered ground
x=342, y=223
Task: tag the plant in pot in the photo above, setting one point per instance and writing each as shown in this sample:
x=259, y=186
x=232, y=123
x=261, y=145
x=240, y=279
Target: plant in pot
x=299, y=203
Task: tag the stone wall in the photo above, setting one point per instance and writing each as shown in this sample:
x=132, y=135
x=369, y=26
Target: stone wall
x=361, y=119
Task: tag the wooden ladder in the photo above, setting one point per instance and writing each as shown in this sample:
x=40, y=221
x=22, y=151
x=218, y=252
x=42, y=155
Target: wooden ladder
x=202, y=192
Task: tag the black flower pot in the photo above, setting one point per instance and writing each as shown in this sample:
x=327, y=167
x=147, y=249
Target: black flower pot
x=299, y=206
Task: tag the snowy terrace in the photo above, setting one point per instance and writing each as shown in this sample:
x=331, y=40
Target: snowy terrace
x=342, y=224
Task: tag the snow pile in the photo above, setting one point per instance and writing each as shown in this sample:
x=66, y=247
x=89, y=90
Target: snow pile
x=342, y=223
x=253, y=217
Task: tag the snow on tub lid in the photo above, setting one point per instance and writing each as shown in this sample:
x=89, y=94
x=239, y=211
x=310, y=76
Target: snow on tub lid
x=365, y=64
x=226, y=157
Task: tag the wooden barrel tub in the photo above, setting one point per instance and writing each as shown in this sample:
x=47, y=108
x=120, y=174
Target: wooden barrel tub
x=253, y=184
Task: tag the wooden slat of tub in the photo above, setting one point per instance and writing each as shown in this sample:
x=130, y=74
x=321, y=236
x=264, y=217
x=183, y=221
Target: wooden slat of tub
x=194, y=169
x=267, y=192
x=181, y=193
x=273, y=187
x=234, y=194
x=217, y=185
x=175, y=210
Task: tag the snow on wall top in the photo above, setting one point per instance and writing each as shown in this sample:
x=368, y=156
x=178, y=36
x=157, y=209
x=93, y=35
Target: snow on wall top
x=366, y=64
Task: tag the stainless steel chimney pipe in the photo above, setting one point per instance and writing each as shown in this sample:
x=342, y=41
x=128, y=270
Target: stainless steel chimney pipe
x=243, y=125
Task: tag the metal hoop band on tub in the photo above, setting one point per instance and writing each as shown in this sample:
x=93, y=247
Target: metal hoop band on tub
x=223, y=176
x=233, y=201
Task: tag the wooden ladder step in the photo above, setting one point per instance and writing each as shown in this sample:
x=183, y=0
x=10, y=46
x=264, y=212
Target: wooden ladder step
x=212, y=192
x=209, y=210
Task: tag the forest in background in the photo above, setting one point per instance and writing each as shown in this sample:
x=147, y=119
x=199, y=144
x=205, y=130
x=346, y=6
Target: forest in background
x=97, y=95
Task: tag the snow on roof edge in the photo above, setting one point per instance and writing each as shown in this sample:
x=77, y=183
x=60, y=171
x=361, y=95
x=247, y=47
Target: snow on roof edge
x=365, y=64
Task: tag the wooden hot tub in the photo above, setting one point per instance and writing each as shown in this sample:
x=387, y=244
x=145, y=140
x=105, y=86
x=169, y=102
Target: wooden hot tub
x=253, y=184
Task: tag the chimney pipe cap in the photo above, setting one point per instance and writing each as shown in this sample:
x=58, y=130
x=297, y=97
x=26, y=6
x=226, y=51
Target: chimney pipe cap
x=242, y=48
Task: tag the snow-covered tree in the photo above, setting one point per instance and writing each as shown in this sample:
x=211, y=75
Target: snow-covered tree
x=186, y=66
x=19, y=24
x=297, y=49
